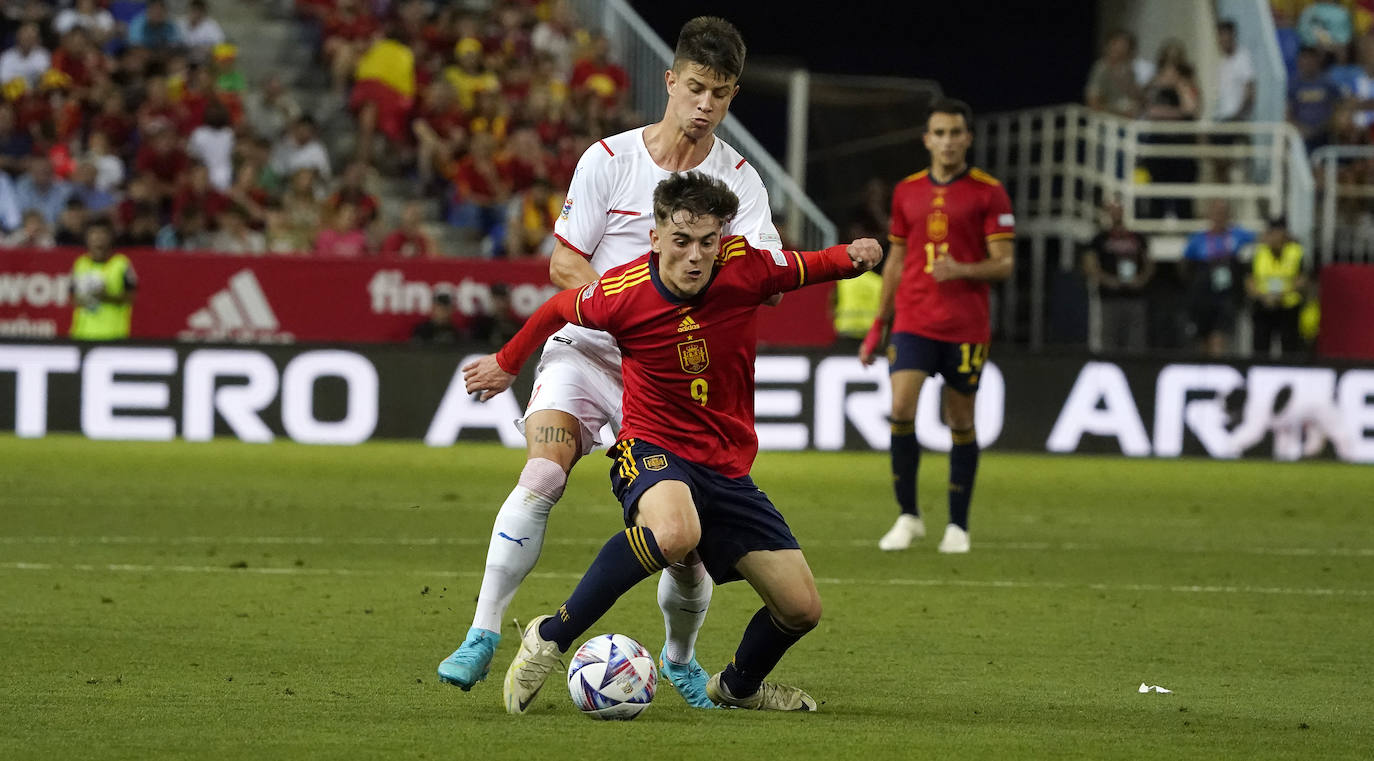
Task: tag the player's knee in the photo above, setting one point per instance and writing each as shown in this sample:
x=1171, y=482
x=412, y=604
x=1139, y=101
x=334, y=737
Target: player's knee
x=676, y=539
x=800, y=617
x=544, y=477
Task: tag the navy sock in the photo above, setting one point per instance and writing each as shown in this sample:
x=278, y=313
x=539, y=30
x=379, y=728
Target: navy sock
x=963, y=466
x=625, y=560
x=906, y=461
x=765, y=640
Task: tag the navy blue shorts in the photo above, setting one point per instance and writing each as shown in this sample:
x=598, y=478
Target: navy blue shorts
x=960, y=364
x=736, y=516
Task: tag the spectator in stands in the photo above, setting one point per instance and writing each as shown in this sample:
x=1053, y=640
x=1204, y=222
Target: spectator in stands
x=1361, y=94
x=498, y=323
x=470, y=75
x=114, y=123
x=32, y=233
x=1171, y=95
x=88, y=15
x=212, y=144
x=1112, y=82
x=142, y=229
x=353, y=190
x=555, y=37
x=1346, y=70
x=597, y=76
x=1275, y=286
x=1312, y=100
x=235, y=236
x=186, y=233
x=194, y=191
x=347, y=33
x=71, y=224
x=154, y=29
x=343, y=239
x=409, y=240
x=230, y=83
x=247, y=195
x=86, y=189
x=440, y=132
x=16, y=145
x=281, y=237
x=300, y=149
x=302, y=209
x=270, y=109
x=1210, y=261
x=383, y=91
x=1235, y=101
x=10, y=216
x=109, y=168
x=27, y=59
x=162, y=159
x=529, y=227
x=198, y=31
x=438, y=327
x=480, y=194
x=40, y=190
x=1118, y=266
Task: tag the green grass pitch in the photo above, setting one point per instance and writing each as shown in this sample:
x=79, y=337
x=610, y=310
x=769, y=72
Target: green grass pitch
x=234, y=601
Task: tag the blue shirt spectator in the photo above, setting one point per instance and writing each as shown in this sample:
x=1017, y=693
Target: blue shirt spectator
x=1311, y=99
x=154, y=28
x=16, y=145
x=39, y=190
x=1214, y=246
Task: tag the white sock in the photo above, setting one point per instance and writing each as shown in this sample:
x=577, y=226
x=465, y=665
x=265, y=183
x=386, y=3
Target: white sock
x=516, y=539
x=684, y=594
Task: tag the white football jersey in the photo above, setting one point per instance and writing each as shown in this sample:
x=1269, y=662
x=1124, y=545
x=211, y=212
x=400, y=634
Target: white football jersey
x=610, y=209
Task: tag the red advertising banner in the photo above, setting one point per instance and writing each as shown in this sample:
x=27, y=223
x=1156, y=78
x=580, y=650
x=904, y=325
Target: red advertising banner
x=209, y=297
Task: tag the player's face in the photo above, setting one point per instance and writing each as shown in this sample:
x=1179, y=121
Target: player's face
x=698, y=99
x=686, y=249
x=948, y=139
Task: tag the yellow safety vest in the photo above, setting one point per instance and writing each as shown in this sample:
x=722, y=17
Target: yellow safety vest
x=100, y=320
x=1279, y=274
x=856, y=304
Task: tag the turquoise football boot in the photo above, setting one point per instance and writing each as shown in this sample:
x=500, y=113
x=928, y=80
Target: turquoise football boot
x=689, y=679
x=470, y=663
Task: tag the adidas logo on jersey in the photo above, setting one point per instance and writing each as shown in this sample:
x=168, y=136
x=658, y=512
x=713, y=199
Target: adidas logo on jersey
x=239, y=312
x=688, y=324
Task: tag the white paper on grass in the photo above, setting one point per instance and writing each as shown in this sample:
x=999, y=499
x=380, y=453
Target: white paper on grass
x=1152, y=688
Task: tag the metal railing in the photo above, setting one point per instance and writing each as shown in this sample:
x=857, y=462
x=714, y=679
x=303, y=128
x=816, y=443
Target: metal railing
x=1058, y=165
x=1346, y=223
x=645, y=57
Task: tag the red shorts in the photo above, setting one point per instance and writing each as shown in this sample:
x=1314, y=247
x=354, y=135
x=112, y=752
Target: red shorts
x=393, y=108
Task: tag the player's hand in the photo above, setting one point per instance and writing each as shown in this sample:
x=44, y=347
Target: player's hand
x=946, y=268
x=873, y=343
x=773, y=300
x=865, y=253
x=486, y=376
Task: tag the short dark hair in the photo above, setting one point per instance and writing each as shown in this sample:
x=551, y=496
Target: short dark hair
x=101, y=222
x=712, y=42
x=1226, y=25
x=1278, y=223
x=951, y=106
x=697, y=194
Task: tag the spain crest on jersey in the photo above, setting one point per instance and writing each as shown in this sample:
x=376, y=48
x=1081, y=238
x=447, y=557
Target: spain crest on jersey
x=693, y=356
x=937, y=225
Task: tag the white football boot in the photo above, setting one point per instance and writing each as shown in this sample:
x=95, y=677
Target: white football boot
x=907, y=529
x=955, y=541
x=534, y=662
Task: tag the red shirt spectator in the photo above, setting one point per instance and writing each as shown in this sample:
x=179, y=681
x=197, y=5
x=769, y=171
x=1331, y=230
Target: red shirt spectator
x=409, y=240
x=162, y=158
x=343, y=239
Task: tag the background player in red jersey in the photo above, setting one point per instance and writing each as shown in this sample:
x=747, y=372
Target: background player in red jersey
x=685, y=317
x=956, y=223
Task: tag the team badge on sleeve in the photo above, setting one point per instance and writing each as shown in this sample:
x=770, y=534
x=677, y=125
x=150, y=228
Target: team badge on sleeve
x=567, y=207
x=693, y=356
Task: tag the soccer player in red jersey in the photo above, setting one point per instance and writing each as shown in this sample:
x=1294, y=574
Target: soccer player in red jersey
x=955, y=221
x=685, y=317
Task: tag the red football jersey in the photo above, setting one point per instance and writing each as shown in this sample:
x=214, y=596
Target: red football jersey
x=955, y=219
x=688, y=365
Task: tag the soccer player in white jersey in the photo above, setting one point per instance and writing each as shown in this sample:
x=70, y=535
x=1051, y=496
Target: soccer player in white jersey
x=605, y=223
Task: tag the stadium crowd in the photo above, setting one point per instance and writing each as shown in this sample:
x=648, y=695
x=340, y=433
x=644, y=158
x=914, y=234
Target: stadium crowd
x=129, y=111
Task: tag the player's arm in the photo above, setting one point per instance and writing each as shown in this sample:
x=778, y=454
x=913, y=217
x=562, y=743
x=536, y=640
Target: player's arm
x=998, y=266
x=568, y=268
x=790, y=270
x=494, y=373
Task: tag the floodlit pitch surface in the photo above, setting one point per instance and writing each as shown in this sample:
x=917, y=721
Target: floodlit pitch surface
x=232, y=601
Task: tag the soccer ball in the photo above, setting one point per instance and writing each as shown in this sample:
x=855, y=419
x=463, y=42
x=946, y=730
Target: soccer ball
x=612, y=677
